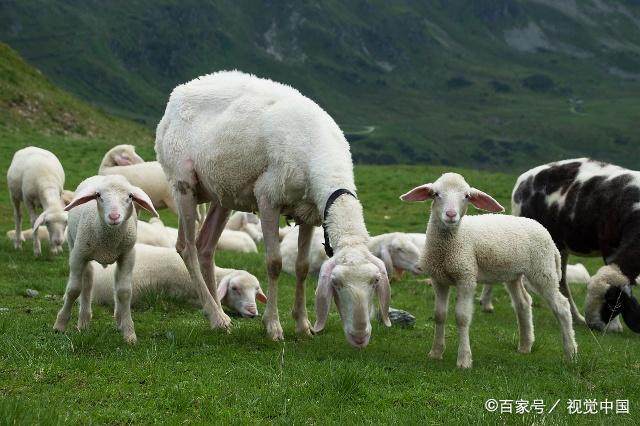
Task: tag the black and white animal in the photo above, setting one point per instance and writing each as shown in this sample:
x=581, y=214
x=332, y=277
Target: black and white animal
x=590, y=208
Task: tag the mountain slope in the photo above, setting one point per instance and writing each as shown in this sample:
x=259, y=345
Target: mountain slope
x=492, y=83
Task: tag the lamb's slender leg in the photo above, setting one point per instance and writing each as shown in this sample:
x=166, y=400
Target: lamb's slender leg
x=17, y=217
x=212, y=228
x=299, y=313
x=84, y=315
x=186, y=246
x=525, y=318
x=269, y=220
x=566, y=291
x=123, y=288
x=464, y=311
x=33, y=215
x=74, y=285
x=440, y=316
x=485, y=298
x=561, y=309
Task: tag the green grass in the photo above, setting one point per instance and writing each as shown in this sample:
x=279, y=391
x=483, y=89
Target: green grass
x=181, y=371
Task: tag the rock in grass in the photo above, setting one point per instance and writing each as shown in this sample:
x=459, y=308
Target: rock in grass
x=31, y=293
x=400, y=318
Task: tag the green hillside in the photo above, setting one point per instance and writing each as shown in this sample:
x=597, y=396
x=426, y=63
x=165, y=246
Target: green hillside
x=492, y=84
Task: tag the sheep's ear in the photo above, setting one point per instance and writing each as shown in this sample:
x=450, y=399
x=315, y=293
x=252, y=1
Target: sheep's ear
x=143, y=200
x=39, y=221
x=484, y=201
x=223, y=287
x=386, y=258
x=419, y=193
x=85, y=196
x=121, y=160
x=324, y=294
x=260, y=295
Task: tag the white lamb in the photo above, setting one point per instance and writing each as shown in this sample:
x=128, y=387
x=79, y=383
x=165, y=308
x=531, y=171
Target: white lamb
x=462, y=251
x=395, y=249
x=102, y=227
x=576, y=274
x=229, y=240
x=245, y=222
x=161, y=270
x=147, y=175
x=36, y=178
x=251, y=144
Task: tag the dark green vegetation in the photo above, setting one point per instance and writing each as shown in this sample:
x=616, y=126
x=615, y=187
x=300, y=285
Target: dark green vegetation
x=499, y=84
x=181, y=371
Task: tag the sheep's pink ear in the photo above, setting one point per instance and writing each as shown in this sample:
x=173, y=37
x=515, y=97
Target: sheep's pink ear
x=143, y=200
x=383, y=290
x=39, y=221
x=222, y=287
x=121, y=160
x=261, y=296
x=484, y=201
x=419, y=193
x=85, y=196
x=324, y=294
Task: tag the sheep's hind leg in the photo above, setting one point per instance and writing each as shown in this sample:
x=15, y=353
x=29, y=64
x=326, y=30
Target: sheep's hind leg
x=440, y=316
x=464, y=312
x=269, y=220
x=485, y=298
x=186, y=246
x=84, y=314
x=299, y=313
x=212, y=227
x=522, y=306
x=17, y=217
x=562, y=311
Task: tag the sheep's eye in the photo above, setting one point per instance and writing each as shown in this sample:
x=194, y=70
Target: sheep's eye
x=131, y=196
x=467, y=196
x=98, y=196
x=436, y=194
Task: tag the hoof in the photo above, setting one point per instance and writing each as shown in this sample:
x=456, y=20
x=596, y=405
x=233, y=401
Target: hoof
x=304, y=328
x=274, y=331
x=437, y=355
x=130, y=339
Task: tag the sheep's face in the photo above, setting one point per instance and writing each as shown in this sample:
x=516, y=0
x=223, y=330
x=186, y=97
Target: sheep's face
x=352, y=277
x=605, y=297
x=239, y=291
x=56, y=224
x=405, y=255
x=451, y=196
x=124, y=155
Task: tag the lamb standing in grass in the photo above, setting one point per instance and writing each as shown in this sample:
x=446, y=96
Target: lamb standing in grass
x=102, y=227
x=36, y=178
x=488, y=248
x=161, y=270
x=147, y=175
x=251, y=144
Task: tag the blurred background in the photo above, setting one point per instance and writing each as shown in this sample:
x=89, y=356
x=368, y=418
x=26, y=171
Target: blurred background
x=490, y=84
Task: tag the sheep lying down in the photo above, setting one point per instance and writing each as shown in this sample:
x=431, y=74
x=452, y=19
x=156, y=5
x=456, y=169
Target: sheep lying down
x=161, y=270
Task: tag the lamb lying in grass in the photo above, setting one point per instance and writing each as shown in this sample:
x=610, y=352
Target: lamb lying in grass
x=102, y=227
x=461, y=251
x=160, y=270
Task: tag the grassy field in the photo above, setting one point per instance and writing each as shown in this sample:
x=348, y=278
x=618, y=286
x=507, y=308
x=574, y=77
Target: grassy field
x=181, y=371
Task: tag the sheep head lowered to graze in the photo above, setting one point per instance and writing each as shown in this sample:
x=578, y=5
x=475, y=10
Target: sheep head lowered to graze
x=250, y=144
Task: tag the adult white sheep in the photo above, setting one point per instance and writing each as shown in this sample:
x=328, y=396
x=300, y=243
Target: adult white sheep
x=460, y=251
x=160, y=270
x=147, y=175
x=395, y=249
x=575, y=274
x=251, y=144
x=102, y=227
x=36, y=178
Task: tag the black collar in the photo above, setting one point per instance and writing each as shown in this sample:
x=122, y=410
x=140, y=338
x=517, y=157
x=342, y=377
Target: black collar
x=334, y=195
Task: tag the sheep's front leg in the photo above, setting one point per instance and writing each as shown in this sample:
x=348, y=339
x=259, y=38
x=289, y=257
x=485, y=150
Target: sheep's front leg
x=269, y=220
x=464, y=312
x=84, y=315
x=522, y=306
x=486, y=298
x=33, y=215
x=17, y=217
x=77, y=266
x=299, y=313
x=440, y=316
x=122, y=290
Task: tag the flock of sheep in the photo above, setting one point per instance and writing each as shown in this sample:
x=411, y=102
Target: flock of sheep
x=232, y=141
